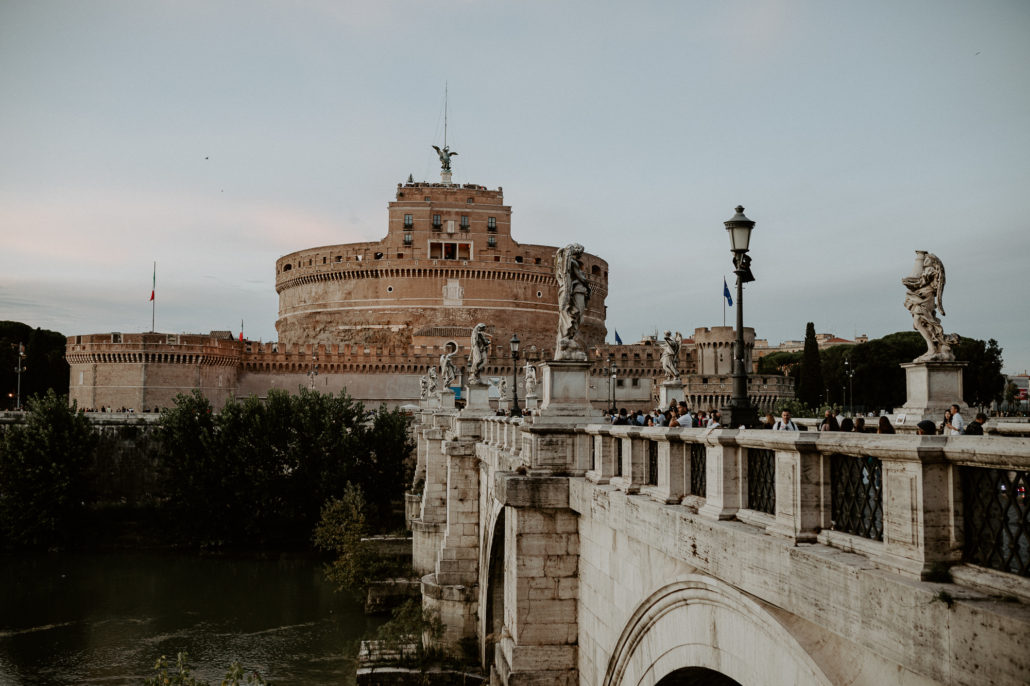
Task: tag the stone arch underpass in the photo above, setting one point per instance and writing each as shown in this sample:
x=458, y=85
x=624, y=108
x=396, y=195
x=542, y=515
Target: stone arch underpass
x=699, y=631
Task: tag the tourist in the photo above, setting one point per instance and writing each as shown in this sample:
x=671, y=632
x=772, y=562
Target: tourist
x=702, y=419
x=859, y=425
x=685, y=419
x=829, y=423
x=955, y=422
x=847, y=425
x=620, y=419
x=716, y=421
x=768, y=422
x=926, y=428
x=785, y=423
x=839, y=417
x=976, y=427
x=884, y=426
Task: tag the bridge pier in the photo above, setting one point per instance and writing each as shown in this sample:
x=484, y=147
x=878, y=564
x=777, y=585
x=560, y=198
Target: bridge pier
x=452, y=589
x=538, y=642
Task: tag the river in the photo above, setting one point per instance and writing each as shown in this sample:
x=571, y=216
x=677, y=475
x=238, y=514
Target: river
x=70, y=618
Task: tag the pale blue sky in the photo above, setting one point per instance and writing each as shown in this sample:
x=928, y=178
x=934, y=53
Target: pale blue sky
x=853, y=132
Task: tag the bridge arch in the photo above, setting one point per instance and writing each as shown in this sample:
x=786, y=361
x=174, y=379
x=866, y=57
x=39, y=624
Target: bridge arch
x=701, y=627
x=491, y=584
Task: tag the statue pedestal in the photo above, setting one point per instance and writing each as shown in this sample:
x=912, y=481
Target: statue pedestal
x=478, y=399
x=446, y=399
x=503, y=404
x=669, y=392
x=532, y=402
x=566, y=387
x=932, y=387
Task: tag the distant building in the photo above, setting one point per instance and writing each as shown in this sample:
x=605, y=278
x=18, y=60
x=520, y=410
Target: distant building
x=373, y=318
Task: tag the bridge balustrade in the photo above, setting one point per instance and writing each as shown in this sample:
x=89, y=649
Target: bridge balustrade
x=914, y=504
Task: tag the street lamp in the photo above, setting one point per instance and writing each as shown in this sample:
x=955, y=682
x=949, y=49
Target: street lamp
x=613, y=373
x=850, y=373
x=516, y=411
x=20, y=368
x=740, y=412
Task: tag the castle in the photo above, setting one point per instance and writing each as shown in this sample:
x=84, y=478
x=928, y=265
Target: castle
x=373, y=317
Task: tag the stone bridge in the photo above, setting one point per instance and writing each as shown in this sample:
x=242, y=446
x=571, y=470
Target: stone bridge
x=574, y=552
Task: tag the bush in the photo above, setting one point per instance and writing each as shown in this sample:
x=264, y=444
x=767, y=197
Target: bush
x=43, y=465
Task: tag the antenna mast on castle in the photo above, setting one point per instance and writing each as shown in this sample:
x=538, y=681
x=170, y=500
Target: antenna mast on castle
x=445, y=154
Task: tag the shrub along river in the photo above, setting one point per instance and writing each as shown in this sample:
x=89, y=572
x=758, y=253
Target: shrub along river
x=69, y=618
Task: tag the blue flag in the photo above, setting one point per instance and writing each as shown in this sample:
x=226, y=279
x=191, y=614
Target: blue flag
x=726, y=292
x=618, y=341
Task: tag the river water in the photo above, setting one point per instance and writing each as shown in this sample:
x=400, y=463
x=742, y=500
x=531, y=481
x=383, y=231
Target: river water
x=106, y=618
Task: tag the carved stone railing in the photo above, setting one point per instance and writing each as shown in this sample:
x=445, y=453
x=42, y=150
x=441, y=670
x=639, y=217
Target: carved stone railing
x=912, y=504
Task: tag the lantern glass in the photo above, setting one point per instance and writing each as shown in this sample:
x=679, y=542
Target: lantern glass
x=514, y=343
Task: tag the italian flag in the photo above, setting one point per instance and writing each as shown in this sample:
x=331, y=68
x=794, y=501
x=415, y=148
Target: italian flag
x=153, y=285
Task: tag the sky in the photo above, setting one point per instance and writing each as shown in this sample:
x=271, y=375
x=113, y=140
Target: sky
x=214, y=137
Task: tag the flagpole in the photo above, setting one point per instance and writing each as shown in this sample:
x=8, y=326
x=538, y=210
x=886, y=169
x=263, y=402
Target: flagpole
x=153, y=299
x=724, y=300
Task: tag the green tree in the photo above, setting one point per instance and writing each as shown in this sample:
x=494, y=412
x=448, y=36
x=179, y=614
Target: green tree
x=44, y=363
x=1011, y=396
x=258, y=472
x=810, y=389
x=982, y=380
x=43, y=466
x=340, y=531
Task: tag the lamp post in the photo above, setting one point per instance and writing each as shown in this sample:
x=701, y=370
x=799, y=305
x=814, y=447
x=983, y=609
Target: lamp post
x=613, y=374
x=850, y=373
x=740, y=412
x=20, y=368
x=516, y=411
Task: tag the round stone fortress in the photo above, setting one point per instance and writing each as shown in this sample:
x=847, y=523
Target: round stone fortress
x=374, y=317
x=448, y=262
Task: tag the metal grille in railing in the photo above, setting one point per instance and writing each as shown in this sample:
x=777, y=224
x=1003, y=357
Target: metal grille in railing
x=997, y=518
x=856, y=495
x=698, y=467
x=593, y=453
x=652, y=463
x=761, y=480
x=618, y=457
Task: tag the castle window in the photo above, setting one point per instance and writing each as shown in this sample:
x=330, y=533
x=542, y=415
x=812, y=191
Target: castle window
x=536, y=260
x=491, y=241
x=470, y=201
x=389, y=289
x=378, y=255
x=437, y=222
x=518, y=258
x=539, y=294
x=407, y=239
x=409, y=221
x=595, y=269
x=323, y=260
x=464, y=222
x=400, y=255
x=339, y=258
x=491, y=223
x=449, y=251
x=428, y=198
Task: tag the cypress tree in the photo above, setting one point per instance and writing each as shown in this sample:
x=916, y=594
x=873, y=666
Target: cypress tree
x=810, y=386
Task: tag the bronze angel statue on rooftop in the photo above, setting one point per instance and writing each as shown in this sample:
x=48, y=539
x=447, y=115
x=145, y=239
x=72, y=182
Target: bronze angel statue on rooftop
x=445, y=157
